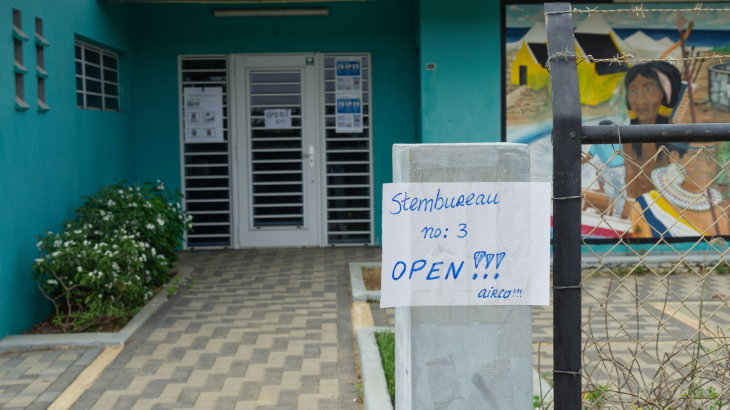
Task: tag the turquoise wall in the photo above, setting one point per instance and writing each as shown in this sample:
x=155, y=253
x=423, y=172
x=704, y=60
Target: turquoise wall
x=162, y=32
x=461, y=99
x=49, y=160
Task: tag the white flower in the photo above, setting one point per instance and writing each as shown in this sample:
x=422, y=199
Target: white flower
x=39, y=260
x=86, y=243
x=78, y=231
x=52, y=282
x=115, y=266
x=148, y=205
x=121, y=192
x=133, y=204
x=150, y=227
x=130, y=188
x=80, y=269
x=39, y=244
x=91, y=274
x=161, y=222
x=58, y=243
x=111, y=203
x=154, y=252
x=55, y=254
x=106, y=218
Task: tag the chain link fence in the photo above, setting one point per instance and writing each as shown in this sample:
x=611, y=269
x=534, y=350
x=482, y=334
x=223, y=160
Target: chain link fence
x=655, y=335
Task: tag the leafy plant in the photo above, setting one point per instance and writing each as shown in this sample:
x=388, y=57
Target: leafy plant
x=174, y=287
x=106, y=262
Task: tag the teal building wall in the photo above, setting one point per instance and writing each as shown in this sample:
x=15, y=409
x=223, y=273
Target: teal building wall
x=48, y=161
x=461, y=98
x=162, y=32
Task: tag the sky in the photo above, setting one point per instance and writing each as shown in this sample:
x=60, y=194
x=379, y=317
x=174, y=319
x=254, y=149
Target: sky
x=526, y=15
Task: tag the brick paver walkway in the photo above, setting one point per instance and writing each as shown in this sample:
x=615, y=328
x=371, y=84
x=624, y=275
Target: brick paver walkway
x=33, y=380
x=261, y=329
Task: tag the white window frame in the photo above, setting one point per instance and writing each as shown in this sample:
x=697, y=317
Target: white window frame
x=102, y=52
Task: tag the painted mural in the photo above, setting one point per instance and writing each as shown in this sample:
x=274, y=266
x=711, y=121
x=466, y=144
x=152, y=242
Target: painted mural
x=638, y=93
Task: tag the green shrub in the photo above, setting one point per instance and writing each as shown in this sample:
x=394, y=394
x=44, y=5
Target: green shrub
x=105, y=264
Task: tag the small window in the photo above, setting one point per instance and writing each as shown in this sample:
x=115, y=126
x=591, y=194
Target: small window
x=40, y=62
x=97, y=78
x=18, y=38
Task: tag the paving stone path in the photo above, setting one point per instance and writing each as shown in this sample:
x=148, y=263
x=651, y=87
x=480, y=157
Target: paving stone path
x=261, y=329
x=33, y=380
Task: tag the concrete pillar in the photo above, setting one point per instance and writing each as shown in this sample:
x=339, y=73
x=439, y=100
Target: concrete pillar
x=453, y=358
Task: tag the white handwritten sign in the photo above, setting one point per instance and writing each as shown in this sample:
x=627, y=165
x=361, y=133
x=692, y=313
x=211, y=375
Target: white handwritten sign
x=474, y=243
x=279, y=118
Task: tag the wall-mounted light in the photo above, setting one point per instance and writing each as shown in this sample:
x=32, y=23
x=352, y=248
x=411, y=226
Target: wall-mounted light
x=271, y=12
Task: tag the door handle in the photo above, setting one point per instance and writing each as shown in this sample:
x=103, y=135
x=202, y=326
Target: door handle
x=310, y=155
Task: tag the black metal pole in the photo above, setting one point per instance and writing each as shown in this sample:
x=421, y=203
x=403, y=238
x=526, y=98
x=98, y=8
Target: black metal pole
x=567, y=132
x=608, y=134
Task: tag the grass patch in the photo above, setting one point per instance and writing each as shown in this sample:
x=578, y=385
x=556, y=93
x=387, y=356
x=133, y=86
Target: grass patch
x=386, y=345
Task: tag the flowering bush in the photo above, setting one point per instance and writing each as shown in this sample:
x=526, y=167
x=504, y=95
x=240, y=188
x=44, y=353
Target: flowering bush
x=104, y=265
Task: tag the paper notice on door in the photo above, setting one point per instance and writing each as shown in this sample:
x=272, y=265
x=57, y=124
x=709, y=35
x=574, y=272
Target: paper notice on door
x=348, y=74
x=277, y=119
x=466, y=244
x=203, y=114
x=349, y=113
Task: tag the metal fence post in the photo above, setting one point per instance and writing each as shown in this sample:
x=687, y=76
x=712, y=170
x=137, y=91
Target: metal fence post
x=566, y=138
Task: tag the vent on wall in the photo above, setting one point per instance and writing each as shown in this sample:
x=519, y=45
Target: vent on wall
x=206, y=166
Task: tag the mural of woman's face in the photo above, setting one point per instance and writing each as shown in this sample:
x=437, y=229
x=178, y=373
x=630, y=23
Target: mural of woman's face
x=645, y=97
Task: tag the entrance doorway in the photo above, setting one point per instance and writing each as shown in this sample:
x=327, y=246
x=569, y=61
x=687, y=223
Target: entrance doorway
x=304, y=183
x=277, y=173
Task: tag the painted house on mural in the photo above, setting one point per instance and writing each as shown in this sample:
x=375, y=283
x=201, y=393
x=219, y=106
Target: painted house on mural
x=237, y=110
x=528, y=69
x=593, y=37
x=597, y=81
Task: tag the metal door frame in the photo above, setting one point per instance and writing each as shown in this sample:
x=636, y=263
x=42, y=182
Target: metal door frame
x=241, y=202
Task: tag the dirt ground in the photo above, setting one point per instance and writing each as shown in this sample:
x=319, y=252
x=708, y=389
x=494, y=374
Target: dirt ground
x=371, y=276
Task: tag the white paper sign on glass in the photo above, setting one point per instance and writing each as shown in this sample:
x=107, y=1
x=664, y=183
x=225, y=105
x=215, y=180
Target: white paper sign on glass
x=203, y=114
x=279, y=118
x=471, y=243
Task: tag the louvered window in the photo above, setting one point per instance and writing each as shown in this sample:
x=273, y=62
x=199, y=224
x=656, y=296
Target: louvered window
x=206, y=165
x=349, y=196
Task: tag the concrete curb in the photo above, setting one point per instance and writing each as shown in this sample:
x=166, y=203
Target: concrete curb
x=34, y=342
x=375, y=388
x=357, y=284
